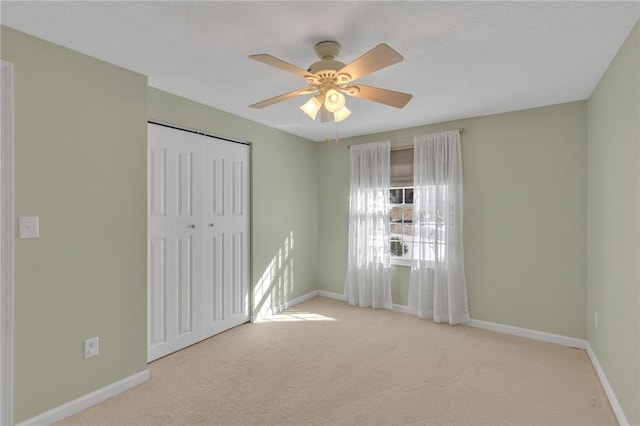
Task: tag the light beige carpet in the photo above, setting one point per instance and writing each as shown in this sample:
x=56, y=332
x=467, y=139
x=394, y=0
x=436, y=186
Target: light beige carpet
x=325, y=362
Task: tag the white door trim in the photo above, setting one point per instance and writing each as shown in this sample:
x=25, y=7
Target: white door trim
x=198, y=198
x=6, y=244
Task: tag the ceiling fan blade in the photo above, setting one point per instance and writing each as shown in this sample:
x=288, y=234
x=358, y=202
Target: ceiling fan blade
x=279, y=63
x=377, y=58
x=375, y=94
x=281, y=98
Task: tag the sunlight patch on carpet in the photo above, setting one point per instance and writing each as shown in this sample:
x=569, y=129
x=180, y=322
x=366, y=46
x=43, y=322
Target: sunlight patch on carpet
x=292, y=315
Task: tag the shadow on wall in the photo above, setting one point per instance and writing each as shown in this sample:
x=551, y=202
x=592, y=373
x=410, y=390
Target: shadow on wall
x=275, y=286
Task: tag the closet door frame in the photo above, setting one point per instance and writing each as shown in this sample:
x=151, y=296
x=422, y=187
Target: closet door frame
x=6, y=243
x=166, y=153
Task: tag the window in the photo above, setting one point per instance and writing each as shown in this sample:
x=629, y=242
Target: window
x=401, y=196
x=401, y=223
x=401, y=206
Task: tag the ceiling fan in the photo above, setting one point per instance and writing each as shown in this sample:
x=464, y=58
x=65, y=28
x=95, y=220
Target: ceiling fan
x=328, y=80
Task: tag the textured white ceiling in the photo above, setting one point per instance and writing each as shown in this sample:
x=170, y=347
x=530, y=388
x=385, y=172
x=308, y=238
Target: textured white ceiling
x=462, y=59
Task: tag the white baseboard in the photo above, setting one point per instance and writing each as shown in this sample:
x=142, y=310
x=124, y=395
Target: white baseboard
x=293, y=302
x=330, y=295
x=73, y=407
x=339, y=296
x=530, y=334
x=274, y=310
x=613, y=399
x=403, y=309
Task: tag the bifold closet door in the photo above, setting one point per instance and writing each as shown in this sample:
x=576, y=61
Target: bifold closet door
x=198, y=238
x=225, y=237
x=174, y=240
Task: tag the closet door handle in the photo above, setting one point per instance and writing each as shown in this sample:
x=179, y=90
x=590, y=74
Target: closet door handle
x=211, y=225
x=192, y=226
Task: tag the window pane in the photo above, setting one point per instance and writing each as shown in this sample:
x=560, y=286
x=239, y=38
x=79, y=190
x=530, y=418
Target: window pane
x=396, y=196
x=398, y=248
x=408, y=243
x=395, y=229
x=408, y=213
x=408, y=196
x=397, y=214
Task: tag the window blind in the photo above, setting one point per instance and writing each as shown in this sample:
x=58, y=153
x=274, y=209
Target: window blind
x=401, y=172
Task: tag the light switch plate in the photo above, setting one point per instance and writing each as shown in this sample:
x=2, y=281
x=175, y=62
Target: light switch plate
x=29, y=227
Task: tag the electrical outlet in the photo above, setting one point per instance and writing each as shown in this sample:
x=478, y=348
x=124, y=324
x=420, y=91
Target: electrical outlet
x=90, y=347
x=595, y=319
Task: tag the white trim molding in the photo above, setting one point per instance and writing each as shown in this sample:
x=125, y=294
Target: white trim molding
x=266, y=312
x=608, y=390
x=339, y=296
x=530, y=334
x=6, y=243
x=73, y=407
x=330, y=295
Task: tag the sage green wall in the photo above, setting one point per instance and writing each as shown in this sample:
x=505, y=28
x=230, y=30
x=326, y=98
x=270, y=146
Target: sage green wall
x=284, y=197
x=80, y=165
x=524, y=216
x=613, y=249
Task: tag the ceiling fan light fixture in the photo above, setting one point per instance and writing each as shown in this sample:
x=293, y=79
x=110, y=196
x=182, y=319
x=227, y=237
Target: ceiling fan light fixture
x=334, y=101
x=312, y=107
x=340, y=115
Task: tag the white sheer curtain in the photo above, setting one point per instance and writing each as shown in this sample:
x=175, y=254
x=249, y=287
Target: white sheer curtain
x=368, y=281
x=437, y=286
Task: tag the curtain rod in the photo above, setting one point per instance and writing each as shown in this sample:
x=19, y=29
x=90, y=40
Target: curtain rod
x=398, y=148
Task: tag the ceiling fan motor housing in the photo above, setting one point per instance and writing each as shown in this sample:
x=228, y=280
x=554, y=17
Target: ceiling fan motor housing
x=326, y=68
x=327, y=49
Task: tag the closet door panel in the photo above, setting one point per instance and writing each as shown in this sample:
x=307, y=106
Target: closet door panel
x=214, y=255
x=237, y=275
x=157, y=291
x=215, y=287
x=238, y=228
x=184, y=281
